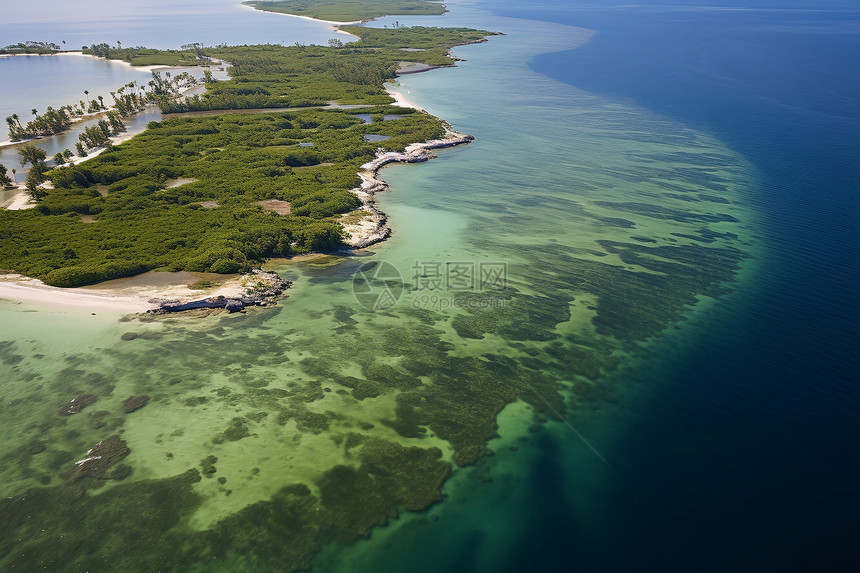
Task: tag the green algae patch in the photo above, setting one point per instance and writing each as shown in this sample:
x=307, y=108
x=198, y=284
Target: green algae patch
x=46, y=528
x=278, y=534
x=514, y=317
x=284, y=532
x=236, y=430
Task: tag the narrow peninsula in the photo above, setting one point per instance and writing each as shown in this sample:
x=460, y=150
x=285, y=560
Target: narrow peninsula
x=349, y=10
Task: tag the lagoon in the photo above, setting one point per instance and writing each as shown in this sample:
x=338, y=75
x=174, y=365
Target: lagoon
x=155, y=24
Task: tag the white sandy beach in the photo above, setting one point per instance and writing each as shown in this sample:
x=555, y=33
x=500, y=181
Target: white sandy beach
x=34, y=293
x=332, y=22
x=123, y=296
x=124, y=63
x=399, y=96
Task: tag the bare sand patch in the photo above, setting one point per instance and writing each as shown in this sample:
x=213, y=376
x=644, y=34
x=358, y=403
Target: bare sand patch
x=21, y=201
x=34, y=292
x=170, y=183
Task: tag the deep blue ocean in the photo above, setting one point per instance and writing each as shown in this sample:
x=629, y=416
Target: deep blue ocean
x=746, y=458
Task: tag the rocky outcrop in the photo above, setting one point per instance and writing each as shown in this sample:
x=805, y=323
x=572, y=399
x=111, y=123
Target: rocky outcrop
x=76, y=404
x=266, y=287
x=133, y=403
x=373, y=228
x=101, y=459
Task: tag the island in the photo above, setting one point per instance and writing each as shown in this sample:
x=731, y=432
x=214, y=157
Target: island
x=278, y=160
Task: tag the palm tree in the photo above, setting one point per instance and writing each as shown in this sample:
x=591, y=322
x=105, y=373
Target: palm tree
x=5, y=181
x=31, y=154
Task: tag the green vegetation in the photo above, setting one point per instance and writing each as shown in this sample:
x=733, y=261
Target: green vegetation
x=300, y=76
x=162, y=90
x=5, y=179
x=272, y=76
x=189, y=55
x=31, y=48
x=52, y=121
x=236, y=160
x=351, y=500
x=349, y=10
x=136, y=222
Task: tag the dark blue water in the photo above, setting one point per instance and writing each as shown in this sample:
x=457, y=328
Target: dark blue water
x=745, y=456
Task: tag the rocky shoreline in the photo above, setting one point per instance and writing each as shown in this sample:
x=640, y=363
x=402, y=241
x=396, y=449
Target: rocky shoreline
x=267, y=289
x=373, y=228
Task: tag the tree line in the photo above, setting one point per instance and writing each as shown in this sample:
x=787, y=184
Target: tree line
x=31, y=47
x=127, y=100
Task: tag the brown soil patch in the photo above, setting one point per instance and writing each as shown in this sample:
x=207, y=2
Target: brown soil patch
x=276, y=205
x=208, y=204
x=303, y=167
x=88, y=219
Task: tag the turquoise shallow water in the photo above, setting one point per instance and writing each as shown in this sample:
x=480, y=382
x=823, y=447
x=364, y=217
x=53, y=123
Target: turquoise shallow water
x=579, y=240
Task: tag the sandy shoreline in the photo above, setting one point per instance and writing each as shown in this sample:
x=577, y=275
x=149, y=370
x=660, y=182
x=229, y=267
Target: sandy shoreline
x=21, y=201
x=333, y=25
x=332, y=22
x=29, y=291
x=123, y=296
x=83, y=55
